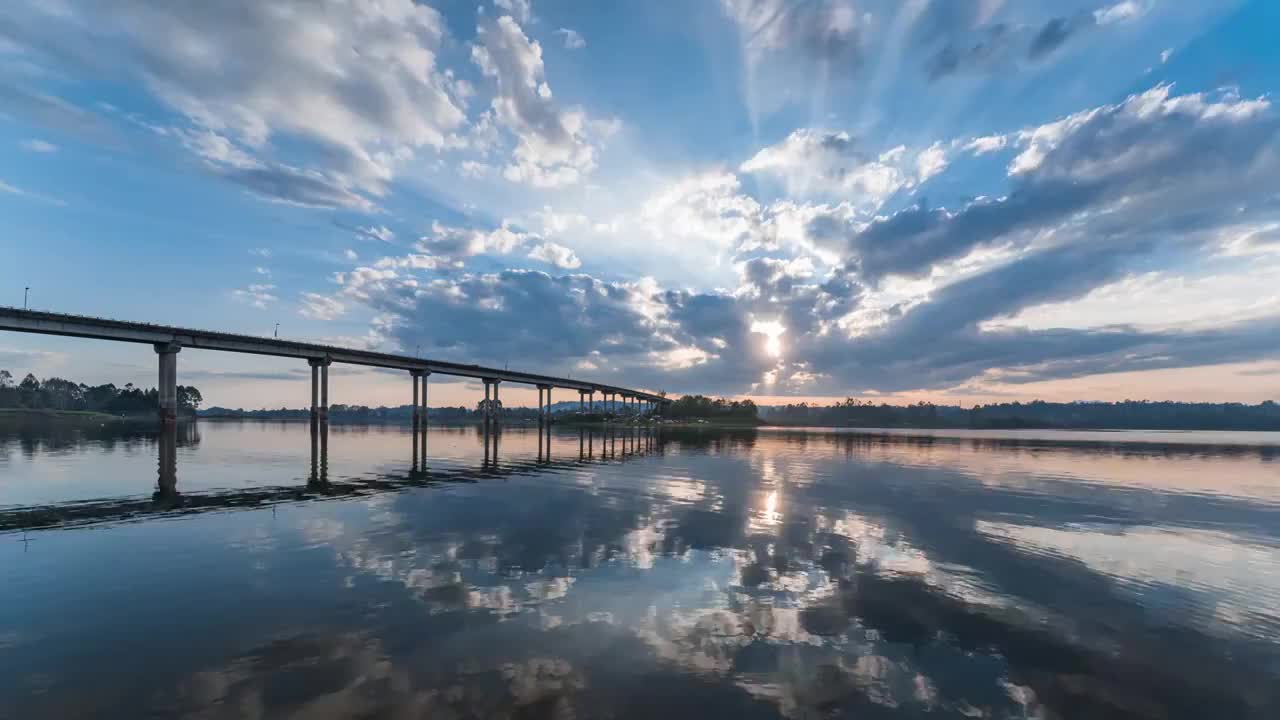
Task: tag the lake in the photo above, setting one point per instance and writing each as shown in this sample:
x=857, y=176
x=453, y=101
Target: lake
x=255, y=569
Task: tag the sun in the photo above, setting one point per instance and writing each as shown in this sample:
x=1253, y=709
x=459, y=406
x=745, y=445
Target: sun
x=772, y=330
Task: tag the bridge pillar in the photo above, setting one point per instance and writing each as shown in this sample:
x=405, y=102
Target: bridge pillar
x=544, y=402
x=582, y=401
x=324, y=390
x=319, y=388
x=425, y=374
x=168, y=385
x=495, y=406
x=415, y=374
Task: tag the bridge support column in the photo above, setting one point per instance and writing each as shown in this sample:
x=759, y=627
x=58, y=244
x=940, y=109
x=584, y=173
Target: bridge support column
x=419, y=408
x=425, y=375
x=495, y=407
x=488, y=408
x=168, y=385
x=324, y=391
x=315, y=390
x=582, y=401
x=414, y=374
x=319, y=388
x=544, y=403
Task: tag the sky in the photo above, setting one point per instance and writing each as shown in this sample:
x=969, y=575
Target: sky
x=788, y=200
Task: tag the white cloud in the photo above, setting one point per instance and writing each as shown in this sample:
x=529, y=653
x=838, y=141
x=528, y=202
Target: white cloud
x=20, y=192
x=828, y=30
x=412, y=261
x=554, y=223
x=1150, y=106
x=702, y=216
x=521, y=9
x=350, y=254
x=824, y=162
x=320, y=307
x=274, y=182
x=456, y=242
x=1163, y=301
x=357, y=82
x=573, y=40
x=474, y=169
x=261, y=270
x=260, y=252
x=1165, y=55
x=1124, y=11
x=259, y=295
x=377, y=232
x=38, y=146
x=986, y=144
x=931, y=161
x=554, y=146
x=557, y=255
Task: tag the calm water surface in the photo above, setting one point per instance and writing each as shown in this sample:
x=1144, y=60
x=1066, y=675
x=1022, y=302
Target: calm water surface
x=231, y=571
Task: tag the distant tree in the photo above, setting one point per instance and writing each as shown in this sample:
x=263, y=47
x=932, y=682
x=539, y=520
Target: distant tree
x=29, y=392
x=6, y=379
x=189, y=397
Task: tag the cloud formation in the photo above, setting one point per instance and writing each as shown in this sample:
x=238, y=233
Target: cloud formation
x=826, y=30
x=1131, y=168
x=557, y=255
x=832, y=163
x=259, y=295
x=554, y=146
x=573, y=40
x=357, y=83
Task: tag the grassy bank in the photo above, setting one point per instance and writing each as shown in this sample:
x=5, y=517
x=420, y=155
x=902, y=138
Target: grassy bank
x=45, y=416
x=42, y=414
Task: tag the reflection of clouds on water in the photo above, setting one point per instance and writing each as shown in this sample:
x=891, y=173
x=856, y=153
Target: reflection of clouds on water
x=744, y=575
x=1216, y=575
x=794, y=596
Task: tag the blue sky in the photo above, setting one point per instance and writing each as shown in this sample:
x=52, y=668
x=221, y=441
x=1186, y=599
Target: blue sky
x=958, y=201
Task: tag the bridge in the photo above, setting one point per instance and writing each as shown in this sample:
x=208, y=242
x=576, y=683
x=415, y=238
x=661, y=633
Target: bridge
x=168, y=341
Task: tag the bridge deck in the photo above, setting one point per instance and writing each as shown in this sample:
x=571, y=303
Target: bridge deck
x=49, y=323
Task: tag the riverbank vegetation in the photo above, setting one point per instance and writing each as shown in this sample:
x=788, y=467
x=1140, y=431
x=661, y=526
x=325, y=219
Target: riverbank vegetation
x=1129, y=414
x=58, y=396
x=692, y=408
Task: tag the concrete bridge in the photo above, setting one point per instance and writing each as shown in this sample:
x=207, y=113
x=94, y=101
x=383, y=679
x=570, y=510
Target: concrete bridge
x=168, y=341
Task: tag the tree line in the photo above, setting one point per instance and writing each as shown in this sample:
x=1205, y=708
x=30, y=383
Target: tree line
x=56, y=393
x=698, y=407
x=1127, y=414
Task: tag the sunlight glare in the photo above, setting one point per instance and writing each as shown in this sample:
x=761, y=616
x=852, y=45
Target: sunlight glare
x=772, y=330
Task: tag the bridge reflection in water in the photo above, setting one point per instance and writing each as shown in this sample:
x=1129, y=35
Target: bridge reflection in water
x=606, y=444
